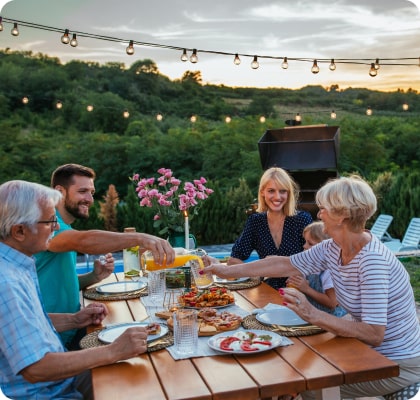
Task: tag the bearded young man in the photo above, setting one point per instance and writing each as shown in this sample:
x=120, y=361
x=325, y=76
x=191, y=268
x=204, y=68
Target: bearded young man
x=56, y=268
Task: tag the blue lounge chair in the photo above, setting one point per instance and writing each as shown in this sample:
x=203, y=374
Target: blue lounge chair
x=380, y=227
x=410, y=240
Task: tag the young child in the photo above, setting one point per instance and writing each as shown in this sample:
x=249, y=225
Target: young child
x=318, y=288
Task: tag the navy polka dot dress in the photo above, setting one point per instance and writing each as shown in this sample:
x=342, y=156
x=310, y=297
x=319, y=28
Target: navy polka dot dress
x=256, y=236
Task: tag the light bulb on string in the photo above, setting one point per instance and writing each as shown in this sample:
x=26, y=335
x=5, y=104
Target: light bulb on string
x=236, y=60
x=373, y=71
x=159, y=117
x=73, y=41
x=255, y=64
x=333, y=115
x=25, y=99
x=58, y=105
x=194, y=57
x=130, y=48
x=377, y=66
x=332, y=65
x=89, y=108
x=184, y=56
x=262, y=119
x=298, y=117
x=65, y=39
x=1, y=24
x=405, y=107
x=228, y=119
x=193, y=118
x=15, y=30
x=369, y=111
x=315, y=68
x=126, y=114
x=285, y=64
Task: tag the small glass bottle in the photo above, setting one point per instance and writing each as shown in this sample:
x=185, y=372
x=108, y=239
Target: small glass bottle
x=131, y=259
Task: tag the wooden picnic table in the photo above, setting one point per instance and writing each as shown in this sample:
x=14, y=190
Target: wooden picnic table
x=319, y=362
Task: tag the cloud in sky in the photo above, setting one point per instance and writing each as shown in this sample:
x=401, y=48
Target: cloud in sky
x=316, y=29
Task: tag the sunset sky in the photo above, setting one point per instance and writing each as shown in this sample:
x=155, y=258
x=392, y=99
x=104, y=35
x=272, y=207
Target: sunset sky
x=317, y=29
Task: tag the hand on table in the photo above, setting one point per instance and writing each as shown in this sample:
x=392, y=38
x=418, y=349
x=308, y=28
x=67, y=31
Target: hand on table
x=131, y=343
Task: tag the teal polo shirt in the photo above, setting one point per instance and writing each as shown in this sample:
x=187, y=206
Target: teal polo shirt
x=58, y=281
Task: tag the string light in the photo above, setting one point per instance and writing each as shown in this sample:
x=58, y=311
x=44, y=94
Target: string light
x=89, y=108
x=59, y=105
x=285, y=64
x=333, y=115
x=236, y=60
x=369, y=111
x=65, y=39
x=373, y=71
x=194, y=57
x=298, y=118
x=193, y=118
x=332, y=65
x=255, y=64
x=15, y=30
x=159, y=117
x=184, y=56
x=315, y=68
x=228, y=119
x=130, y=48
x=405, y=107
x=25, y=99
x=377, y=66
x=262, y=119
x=73, y=41
x=1, y=24
x=126, y=114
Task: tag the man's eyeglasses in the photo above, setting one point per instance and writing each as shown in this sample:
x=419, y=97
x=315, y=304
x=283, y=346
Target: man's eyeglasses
x=53, y=222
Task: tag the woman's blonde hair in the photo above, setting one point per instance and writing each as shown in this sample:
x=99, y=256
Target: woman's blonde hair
x=283, y=180
x=348, y=197
x=316, y=230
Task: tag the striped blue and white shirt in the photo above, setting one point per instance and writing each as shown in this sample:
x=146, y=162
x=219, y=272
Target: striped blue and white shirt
x=374, y=288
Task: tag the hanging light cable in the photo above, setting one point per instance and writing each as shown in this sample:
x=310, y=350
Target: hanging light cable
x=65, y=39
x=332, y=65
x=373, y=71
x=15, y=30
x=255, y=64
x=236, y=60
x=285, y=64
x=130, y=48
x=73, y=41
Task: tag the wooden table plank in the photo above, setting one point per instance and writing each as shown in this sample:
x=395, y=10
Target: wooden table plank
x=226, y=379
x=344, y=353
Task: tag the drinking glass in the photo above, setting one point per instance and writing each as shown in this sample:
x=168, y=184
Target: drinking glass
x=171, y=300
x=203, y=280
x=185, y=331
x=156, y=286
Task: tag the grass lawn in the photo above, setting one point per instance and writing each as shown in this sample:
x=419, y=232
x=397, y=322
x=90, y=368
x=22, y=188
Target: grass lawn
x=412, y=265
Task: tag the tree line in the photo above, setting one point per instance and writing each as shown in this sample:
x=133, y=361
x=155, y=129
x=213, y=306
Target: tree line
x=37, y=136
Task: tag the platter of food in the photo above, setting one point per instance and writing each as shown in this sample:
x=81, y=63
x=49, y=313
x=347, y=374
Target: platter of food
x=154, y=331
x=214, y=297
x=245, y=342
x=212, y=321
x=121, y=287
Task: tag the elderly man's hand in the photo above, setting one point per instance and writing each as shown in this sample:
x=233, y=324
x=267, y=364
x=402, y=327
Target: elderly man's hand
x=93, y=314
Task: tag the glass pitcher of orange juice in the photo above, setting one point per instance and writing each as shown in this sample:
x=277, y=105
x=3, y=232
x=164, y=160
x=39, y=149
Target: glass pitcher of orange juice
x=182, y=256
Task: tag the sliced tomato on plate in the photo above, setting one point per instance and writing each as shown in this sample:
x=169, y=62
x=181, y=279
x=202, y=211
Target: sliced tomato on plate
x=226, y=342
x=246, y=345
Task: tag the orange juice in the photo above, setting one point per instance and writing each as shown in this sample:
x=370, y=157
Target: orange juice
x=149, y=263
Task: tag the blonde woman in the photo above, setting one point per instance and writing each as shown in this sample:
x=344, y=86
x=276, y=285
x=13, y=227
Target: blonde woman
x=276, y=229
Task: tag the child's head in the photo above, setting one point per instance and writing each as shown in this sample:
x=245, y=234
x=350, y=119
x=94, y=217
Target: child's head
x=314, y=234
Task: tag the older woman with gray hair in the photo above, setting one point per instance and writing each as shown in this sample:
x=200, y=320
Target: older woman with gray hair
x=370, y=283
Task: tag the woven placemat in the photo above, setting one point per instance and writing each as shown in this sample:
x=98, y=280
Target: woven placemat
x=92, y=294
x=91, y=340
x=251, y=322
x=252, y=282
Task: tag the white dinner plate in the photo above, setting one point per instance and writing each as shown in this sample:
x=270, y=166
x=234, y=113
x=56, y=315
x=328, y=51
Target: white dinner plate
x=121, y=287
x=233, y=281
x=280, y=316
x=108, y=335
x=275, y=339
